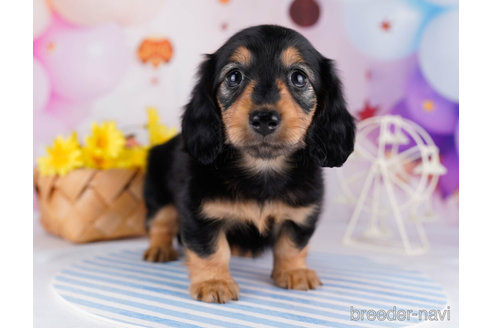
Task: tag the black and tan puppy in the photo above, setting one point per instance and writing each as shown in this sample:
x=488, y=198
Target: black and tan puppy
x=245, y=174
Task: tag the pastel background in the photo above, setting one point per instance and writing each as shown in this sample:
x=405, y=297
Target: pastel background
x=98, y=60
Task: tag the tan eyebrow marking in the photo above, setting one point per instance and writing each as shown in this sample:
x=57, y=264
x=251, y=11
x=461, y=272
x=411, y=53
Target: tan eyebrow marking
x=291, y=56
x=241, y=55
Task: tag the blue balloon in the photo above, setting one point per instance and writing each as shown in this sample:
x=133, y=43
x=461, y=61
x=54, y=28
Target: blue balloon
x=444, y=3
x=438, y=54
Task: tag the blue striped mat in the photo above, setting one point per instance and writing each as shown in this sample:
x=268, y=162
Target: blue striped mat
x=120, y=287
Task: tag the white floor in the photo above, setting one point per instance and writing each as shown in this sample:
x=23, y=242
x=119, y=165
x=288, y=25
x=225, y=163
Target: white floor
x=52, y=254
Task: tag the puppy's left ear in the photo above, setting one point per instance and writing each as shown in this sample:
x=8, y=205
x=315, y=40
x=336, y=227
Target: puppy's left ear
x=201, y=125
x=330, y=138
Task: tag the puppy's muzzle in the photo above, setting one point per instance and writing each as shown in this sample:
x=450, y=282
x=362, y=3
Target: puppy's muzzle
x=264, y=122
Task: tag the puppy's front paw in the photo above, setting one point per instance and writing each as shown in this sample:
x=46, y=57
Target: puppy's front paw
x=215, y=291
x=160, y=254
x=300, y=279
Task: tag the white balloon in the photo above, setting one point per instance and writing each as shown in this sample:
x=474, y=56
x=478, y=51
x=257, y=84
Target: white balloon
x=41, y=86
x=383, y=29
x=42, y=17
x=438, y=54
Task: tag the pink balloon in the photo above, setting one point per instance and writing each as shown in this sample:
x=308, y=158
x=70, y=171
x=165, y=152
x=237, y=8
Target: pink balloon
x=94, y=12
x=41, y=86
x=70, y=114
x=46, y=128
x=41, y=17
x=83, y=63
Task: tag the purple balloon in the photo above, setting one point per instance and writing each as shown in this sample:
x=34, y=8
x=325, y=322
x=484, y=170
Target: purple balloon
x=449, y=182
x=387, y=81
x=83, y=63
x=457, y=137
x=443, y=142
x=400, y=109
x=426, y=107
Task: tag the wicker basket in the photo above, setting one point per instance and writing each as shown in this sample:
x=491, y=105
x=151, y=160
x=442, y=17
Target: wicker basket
x=88, y=205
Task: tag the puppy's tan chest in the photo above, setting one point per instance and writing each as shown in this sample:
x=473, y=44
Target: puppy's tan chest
x=256, y=213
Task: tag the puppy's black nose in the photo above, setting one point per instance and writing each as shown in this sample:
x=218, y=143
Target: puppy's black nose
x=264, y=122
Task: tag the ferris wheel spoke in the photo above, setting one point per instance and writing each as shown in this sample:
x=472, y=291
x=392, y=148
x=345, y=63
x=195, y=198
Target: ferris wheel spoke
x=401, y=184
x=407, y=161
x=399, y=176
x=402, y=174
x=372, y=147
x=361, y=148
x=406, y=156
x=410, y=152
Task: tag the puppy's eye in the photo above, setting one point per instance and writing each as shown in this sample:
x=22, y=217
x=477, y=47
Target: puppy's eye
x=298, y=79
x=234, y=78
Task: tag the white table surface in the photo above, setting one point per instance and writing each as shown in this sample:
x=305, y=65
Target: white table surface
x=51, y=254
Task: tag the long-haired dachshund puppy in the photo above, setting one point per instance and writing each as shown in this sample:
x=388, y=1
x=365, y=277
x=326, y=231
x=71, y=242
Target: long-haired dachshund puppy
x=266, y=114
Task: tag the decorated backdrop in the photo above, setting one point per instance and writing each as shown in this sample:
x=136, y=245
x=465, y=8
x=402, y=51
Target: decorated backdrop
x=98, y=60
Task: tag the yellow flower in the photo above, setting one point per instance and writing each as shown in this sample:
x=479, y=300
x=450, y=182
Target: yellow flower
x=65, y=155
x=132, y=157
x=103, y=146
x=158, y=133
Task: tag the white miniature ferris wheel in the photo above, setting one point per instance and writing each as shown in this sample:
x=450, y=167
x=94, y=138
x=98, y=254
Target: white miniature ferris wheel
x=390, y=177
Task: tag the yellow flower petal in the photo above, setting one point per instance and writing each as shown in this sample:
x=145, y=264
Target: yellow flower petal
x=62, y=157
x=132, y=157
x=158, y=133
x=103, y=146
x=153, y=116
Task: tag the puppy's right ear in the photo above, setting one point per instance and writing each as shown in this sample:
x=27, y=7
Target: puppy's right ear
x=201, y=126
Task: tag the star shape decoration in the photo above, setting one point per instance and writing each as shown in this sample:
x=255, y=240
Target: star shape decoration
x=368, y=111
x=386, y=25
x=51, y=46
x=428, y=105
